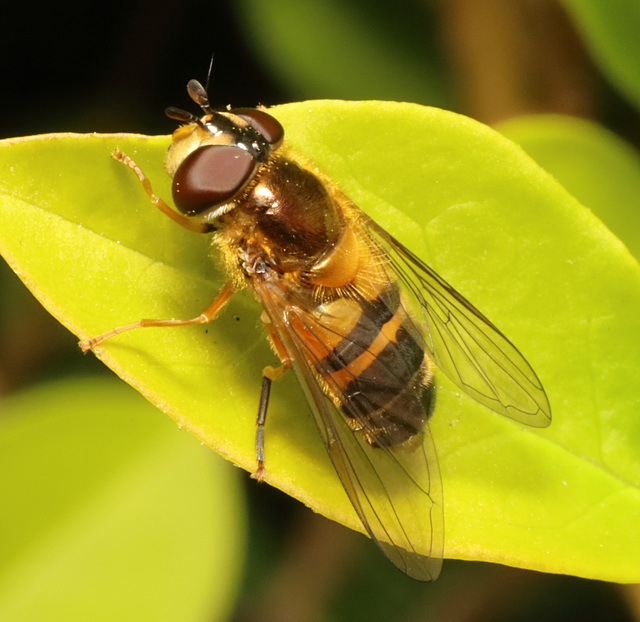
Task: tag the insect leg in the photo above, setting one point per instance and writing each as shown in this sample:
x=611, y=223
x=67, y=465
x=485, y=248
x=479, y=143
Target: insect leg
x=187, y=223
x=269, y=374
x=206, y=316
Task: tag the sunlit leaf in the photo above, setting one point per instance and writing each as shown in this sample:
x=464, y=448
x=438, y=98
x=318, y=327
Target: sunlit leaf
x=597, y=167
x=78, y=229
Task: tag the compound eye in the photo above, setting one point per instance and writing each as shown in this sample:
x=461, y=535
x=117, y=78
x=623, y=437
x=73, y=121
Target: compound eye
x=210, y=176
x=263, y=123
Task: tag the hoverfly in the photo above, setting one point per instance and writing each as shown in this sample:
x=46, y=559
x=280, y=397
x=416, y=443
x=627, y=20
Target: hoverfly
x=359, y=318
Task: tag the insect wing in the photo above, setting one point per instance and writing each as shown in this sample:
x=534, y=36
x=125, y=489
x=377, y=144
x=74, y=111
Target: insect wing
x=463, y=343
x=396, y=492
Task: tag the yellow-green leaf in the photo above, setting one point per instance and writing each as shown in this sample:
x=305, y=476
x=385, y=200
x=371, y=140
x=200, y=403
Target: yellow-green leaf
x=78, y=229
x=595, y=165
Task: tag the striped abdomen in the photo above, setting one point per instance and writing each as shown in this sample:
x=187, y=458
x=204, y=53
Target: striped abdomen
x=372, y=365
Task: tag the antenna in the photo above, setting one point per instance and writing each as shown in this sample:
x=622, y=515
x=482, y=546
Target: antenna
x=206, y=84
x=199, y=95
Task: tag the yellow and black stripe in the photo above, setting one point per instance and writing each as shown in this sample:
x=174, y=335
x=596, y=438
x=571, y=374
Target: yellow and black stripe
x=377, y=371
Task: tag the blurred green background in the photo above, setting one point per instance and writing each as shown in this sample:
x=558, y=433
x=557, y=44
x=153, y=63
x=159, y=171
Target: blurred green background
x=65, y=550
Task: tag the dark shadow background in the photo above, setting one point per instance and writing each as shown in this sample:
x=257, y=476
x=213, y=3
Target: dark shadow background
x=76, y=67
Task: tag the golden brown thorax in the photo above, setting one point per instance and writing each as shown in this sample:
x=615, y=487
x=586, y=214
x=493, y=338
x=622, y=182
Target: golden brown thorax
x=291, y=217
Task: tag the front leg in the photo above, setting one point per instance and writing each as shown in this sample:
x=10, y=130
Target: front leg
x=187, y=223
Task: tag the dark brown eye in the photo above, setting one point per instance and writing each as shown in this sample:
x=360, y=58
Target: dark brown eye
x=210, y=176
x=263, y=123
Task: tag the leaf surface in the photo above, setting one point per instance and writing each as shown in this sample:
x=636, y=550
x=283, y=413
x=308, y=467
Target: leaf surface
x=78, y=229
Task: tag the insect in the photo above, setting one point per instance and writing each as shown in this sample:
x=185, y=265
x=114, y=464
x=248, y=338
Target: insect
x=358, y=317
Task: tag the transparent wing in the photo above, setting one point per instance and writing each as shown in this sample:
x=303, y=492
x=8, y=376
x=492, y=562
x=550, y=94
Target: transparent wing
x=463, y=343
x=396, y=492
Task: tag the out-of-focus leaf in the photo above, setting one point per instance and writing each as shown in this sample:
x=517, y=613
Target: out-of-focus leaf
x=347, y=50
x=610, y=29
x=109, y=513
